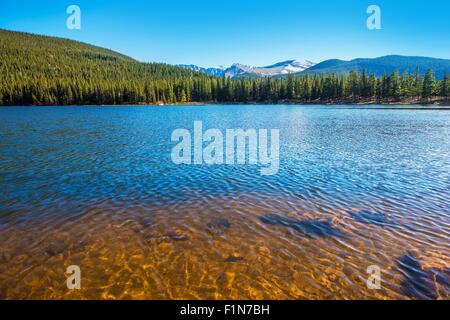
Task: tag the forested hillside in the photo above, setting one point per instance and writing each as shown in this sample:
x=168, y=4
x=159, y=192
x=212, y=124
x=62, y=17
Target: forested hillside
x=386, y=64
x=46, y=70
x=40, y=70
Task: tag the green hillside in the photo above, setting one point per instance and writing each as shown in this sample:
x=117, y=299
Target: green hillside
x=47, y=70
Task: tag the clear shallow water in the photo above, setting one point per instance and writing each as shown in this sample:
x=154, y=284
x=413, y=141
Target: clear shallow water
x=95, y=187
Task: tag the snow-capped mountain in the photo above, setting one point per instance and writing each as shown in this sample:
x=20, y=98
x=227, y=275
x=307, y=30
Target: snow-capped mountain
x=237, y=69
x=215, y=71
x=285, y=67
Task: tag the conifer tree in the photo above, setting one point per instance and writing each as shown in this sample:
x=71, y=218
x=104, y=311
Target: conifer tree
x=428, y=84
x=444, y=86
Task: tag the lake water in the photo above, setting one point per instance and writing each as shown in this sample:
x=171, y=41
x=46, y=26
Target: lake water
x=96, y=187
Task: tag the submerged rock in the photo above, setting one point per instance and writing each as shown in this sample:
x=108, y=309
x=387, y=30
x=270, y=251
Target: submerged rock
x=442, y=278
x=56, y=247
x=224, y=223
x=312, y=228
x=376, y=218
x=145, y=221
x=219, y=223
x=178, y=236
x=218, y=226
x=418, y=283
x=234, y=258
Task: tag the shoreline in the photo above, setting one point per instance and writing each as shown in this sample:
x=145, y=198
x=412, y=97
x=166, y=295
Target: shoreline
x=392, y=106
x=438, y=103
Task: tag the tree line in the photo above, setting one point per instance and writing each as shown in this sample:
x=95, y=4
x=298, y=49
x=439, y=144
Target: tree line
x=44, y=90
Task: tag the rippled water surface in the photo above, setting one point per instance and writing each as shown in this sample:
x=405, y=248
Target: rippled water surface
x=96, y=187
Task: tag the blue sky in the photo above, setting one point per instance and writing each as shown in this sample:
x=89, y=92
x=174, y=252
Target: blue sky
x=256, y=32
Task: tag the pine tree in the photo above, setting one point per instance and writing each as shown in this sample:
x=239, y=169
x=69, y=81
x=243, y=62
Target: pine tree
x=444, y=86
x=428, y=84
x=395, y=88
x=364, y=84
x=372, y=86
x=290, y=87
x=354, y=84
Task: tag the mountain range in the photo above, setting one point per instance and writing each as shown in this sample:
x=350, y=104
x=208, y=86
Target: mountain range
x=237, y=69
x=377, y=66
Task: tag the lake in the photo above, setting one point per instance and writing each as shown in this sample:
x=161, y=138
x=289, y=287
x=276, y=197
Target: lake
x=358, y=189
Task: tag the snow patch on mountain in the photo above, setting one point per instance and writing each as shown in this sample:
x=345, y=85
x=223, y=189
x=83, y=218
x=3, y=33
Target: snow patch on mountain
x=237, y=69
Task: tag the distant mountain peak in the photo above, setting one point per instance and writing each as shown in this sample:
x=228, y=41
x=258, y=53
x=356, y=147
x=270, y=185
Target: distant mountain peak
x=239, y=69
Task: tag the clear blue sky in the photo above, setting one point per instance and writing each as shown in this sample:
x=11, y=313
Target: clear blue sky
x=256, y=32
